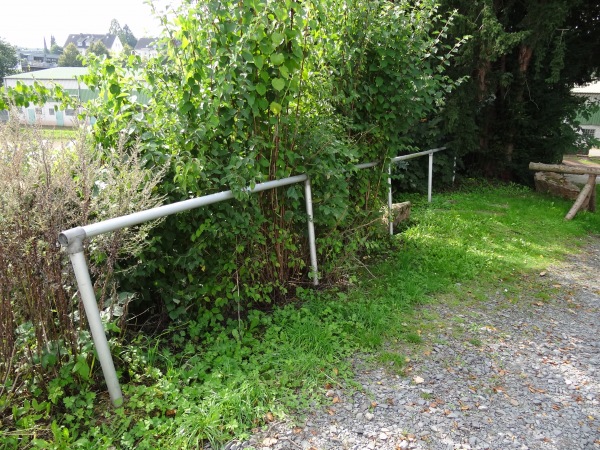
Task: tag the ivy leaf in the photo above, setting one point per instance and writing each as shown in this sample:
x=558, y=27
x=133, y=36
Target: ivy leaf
x=278, y=83
x=277, y=59
x=275, y=107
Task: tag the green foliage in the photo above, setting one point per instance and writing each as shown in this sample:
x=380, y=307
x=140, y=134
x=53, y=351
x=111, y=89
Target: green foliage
x=523, y=59
x=70, y=57
x=54, y=47
x=389, y=69
x=8, y=59
x=198, y=383
x=248, y=92
x=37, y=94
x=99, y=49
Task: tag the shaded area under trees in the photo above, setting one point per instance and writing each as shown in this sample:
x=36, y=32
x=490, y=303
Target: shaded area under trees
x=523, y=59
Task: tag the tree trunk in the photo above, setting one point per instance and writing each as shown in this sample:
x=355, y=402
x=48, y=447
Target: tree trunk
x=561, y=168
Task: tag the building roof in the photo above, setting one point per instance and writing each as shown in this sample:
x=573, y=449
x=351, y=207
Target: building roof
x=83, y=40
x=56, y=73
x=590, y=88
x=24, y=54
x=145, y=43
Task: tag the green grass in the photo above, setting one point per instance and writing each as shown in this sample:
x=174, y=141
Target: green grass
x=58, y=133
x=194, y=384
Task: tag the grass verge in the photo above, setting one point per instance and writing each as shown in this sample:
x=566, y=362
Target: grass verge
x=200, y=382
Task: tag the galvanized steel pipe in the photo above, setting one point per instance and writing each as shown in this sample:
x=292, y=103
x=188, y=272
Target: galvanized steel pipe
x=73, y=240
x=390, y=216
x=311, y=231
x=430, y=177
x=86, y=291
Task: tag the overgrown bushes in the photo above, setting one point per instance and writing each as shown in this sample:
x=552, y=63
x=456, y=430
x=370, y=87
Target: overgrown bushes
x=45, y=187
x=245, y=92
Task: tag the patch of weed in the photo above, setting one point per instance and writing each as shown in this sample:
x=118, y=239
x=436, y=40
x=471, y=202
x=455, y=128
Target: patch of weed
x=392, y=361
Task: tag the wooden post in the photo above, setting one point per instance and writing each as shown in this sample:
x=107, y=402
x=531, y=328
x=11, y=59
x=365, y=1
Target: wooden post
x=592, y=202
x=583, y=196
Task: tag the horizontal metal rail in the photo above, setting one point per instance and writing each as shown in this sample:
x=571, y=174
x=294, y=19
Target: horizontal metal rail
x=416, y=155
x=73, y=239
x=106, y=226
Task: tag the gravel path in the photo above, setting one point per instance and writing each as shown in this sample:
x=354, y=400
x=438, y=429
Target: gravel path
x=498, y=374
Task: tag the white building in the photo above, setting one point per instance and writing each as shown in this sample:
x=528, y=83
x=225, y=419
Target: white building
x=590, y=126
x=83, y=41
x=50, y=113
x=146, y=48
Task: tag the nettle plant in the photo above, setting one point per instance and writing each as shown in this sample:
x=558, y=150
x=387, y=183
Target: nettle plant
x=245, y=92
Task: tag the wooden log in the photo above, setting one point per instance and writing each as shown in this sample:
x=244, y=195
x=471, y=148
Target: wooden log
x=583, y=196
x=592, y=202
x=561, y=168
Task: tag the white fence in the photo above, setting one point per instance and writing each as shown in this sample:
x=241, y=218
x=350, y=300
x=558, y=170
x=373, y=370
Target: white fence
x=73, y=239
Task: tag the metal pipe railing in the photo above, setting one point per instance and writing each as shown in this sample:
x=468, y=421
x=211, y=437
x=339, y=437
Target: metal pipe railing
x=311, y=231
x=429, y=178
x=73, y=238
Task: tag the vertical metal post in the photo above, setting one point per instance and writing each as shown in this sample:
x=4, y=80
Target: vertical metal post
x=86, y=290
x=430, y=178
x=311, y=231
x=390, y=212
x=454, y=171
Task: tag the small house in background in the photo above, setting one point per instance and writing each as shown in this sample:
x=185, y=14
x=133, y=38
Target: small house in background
x=49, y=114
x=590, y=126
x=36, y=59
x=83, y=41
x=146, y=47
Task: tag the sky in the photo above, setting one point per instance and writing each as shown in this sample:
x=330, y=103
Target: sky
x=25, y=23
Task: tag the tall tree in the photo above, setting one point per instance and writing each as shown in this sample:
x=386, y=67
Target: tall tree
x=98, y=48
x=523, y=59
x=124, y=33
x=70, y=57
x=54, y=47
x=127, y=37
x=8, y=59
x=115, y=27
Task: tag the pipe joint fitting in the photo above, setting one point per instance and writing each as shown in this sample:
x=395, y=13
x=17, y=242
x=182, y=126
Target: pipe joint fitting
x=72, y=239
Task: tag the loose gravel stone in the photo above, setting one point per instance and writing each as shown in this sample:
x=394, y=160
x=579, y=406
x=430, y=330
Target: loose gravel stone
x=503, y=374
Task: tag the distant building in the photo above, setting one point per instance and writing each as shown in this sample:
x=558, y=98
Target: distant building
x=146, y=47
x=49, y=114
x=590, y=126
x=36, y=59
x=83, y=41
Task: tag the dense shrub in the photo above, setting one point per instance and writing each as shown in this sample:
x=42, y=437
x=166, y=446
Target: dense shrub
x=245, y=92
